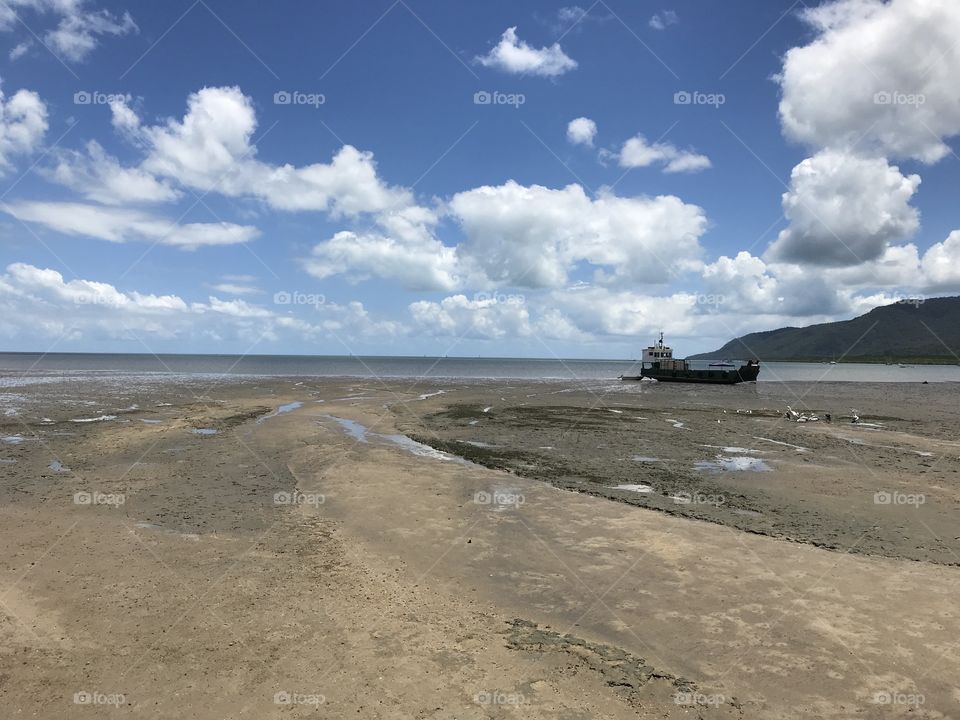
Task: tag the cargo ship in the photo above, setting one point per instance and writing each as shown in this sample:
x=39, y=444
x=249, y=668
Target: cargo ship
x=658, y=363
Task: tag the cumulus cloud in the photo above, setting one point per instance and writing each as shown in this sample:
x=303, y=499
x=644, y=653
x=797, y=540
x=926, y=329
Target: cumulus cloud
x=232, y=288
x=99, y=176
x=120, y=225
x=581, y=131
x=79, y=26
x=20, y=49
x=880, y=76
x=517, y=57
x=747, y=286
x=458, y=316
x=941, y=265
x=534, y=236
x=845, y=210
x=39, y=303
x=23, y=124
x=424, y=265
x=662, y=20
x=211, y=149
x=638, y=152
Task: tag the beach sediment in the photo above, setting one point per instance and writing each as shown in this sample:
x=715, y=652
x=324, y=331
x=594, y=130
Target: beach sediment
x=286, y=566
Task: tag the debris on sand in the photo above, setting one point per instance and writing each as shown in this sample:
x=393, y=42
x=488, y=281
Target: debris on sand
x=792, y=414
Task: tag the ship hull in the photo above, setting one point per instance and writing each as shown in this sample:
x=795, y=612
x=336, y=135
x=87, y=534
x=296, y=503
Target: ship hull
x=746, y=373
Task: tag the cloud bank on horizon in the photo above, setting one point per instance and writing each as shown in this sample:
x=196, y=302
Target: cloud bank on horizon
x=867, y=91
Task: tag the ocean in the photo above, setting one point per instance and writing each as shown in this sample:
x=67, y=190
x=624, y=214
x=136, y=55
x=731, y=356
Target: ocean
x=93, y=365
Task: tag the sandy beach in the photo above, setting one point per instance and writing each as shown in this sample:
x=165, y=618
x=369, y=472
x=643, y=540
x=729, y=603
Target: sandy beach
x=296, y=547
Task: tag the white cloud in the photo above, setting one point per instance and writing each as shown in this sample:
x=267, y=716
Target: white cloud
x=210, y=149
x=99, y=176
x=535, y=236
x=880, y=76
x=637, y=152
x=457, y=316
x=37, y=303
x=661, y=20
x=941, y=265
x=581, y=131
x=517, y=57
x=78, y=25
x=120, y=225
x=23, y=123
x=20, y=50
x=230, y=288
x=423, y=265
x=77, y=34
x=747, y=287
x=845, y=210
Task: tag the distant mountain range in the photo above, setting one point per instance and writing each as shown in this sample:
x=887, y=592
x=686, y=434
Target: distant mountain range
x=918, y=331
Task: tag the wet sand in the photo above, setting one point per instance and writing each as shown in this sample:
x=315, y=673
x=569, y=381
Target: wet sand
x=385, y=550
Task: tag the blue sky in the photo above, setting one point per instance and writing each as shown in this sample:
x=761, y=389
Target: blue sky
x=161, y=195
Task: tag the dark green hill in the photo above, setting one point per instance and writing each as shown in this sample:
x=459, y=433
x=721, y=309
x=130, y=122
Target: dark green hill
x=927, y=331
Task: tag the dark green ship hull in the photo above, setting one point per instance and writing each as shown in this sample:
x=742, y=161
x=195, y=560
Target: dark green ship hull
x=745, y=373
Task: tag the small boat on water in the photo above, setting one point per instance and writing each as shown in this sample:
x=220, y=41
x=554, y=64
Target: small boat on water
x=659, y=364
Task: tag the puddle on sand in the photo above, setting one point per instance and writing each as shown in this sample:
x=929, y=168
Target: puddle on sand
x=153, y=526
x=354, y=429
x=676, y=423
x=204, y=431
x=361, y=433
x=58, y=466
x=430, y=395
x=289, y=407
x=101, y=418
x=733, y=464
x=634, y=488
x=422, y=450
x=7, y=461
x=734, y=450
x=798, y=448
x=644, y=458
x=13, y=440
x=473, y=422
x=151, y=422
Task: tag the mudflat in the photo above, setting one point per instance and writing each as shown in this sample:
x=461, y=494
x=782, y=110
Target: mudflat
x=283, y=547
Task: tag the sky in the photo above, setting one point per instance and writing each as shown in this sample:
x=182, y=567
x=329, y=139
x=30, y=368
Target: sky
x=411, y=177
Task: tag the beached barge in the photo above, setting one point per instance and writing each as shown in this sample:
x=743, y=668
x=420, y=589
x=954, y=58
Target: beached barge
x=659, y=364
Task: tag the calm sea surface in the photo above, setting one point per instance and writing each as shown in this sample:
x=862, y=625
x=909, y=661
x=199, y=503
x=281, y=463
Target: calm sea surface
x=36, y=364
